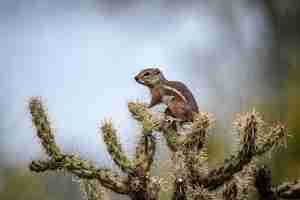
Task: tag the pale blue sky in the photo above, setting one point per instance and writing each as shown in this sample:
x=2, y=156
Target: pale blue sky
x=81, y=57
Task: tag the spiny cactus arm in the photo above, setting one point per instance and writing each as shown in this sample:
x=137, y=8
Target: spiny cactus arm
x=145, y=152
x=276, y=137
x=71, y=163
x=235, y=163
x=263, y=183
x=42, y=165
x=150, y=121
x=173, y=139
x=194, y=145
x=92, y=190
x=83, y=169
x=146, y=147
x=230, y=192
x=114, y=147
x=195, y=140
x=248, y=125
x=42, y=124
x=156, y=122
x=288, y=190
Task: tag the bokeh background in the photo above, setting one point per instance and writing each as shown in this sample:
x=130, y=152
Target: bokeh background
x=81, y=56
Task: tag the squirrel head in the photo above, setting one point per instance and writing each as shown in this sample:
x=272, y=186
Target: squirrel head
x=150, y=77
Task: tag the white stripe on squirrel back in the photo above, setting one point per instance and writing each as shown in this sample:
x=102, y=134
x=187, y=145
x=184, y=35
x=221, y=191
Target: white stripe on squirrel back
x=176, y=92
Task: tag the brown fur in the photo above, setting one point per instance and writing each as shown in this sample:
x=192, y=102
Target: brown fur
x=183, y=104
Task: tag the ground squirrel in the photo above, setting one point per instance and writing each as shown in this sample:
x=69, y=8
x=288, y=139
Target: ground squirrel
x=175, y=95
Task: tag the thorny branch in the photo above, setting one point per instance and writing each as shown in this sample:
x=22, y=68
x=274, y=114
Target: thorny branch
x=287, y=190
x=115, y=149
x=92, y=190
x=193, y=180
x=263, y=183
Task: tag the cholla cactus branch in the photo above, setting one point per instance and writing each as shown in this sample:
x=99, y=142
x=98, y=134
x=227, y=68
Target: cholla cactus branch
x=286, y=190
x=83, y=169
x=144, y=188
x=156, y=122
x=195, y=141
x=42, y=124
x=150, y=121
x=138, y=110
x=114, y=148
x=263, y=183
x=71, y=163
x=276, y=137
x=200, y=193
x=235, y=163
x=92, y=190
x=230, y=192
x=146, y=147
x=173, y=139
x=245, y=180
x=145, y=152
x=289, y=190
x=192, y=179
x=137, y=184
x=42, y=166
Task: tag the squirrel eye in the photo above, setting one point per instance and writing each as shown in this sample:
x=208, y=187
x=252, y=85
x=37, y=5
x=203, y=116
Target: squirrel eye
x=157, y=71
x=147, y=74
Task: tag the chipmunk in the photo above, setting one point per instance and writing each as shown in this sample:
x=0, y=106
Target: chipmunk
x=175, y=95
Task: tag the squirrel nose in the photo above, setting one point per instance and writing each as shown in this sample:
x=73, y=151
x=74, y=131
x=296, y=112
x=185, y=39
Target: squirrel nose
x=137, y=79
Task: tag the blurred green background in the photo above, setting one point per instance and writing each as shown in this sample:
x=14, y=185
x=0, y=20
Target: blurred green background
x=234, y=55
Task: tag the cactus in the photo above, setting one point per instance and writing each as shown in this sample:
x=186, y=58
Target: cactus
x=239, y=174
